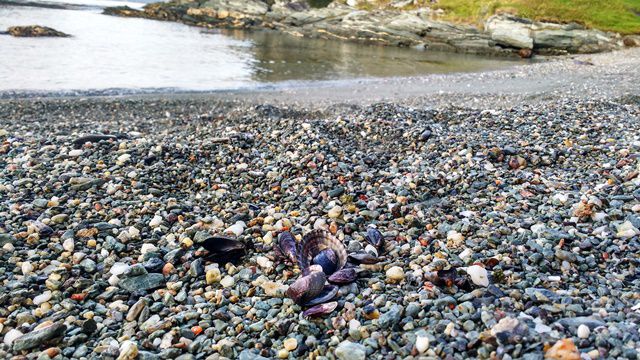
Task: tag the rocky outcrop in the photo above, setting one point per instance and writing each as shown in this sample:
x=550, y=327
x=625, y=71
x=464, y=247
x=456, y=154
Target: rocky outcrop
x=520, y=33
x=35, y=31
x=502, y=34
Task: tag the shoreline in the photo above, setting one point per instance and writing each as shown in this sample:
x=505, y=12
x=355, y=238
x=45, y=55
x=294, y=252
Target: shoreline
x=597, y=75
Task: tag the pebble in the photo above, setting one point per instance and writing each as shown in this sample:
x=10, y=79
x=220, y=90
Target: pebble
x=395, y=274
x=478, y=275
x=583, y=331
x=422, y=344
x=128, y=350
x=227, y=281
x=42, y=298
x=11, y=336
x=348, y=350
x=290, y=344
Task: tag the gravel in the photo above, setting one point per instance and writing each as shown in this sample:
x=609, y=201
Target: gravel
x=100, y=250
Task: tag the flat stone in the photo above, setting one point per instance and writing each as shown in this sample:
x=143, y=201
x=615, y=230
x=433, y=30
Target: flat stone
x=36, y=338
x=142, y=282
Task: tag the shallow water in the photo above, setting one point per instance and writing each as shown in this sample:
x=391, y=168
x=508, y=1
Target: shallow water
x=107, y=52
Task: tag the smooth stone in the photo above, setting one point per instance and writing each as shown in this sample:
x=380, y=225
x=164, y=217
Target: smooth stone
x=36, y=338
x=348, y=350
x=142, y=282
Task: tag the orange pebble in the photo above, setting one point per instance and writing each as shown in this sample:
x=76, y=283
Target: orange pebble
x=167, y=269
x=196, y=330
x=78, y=297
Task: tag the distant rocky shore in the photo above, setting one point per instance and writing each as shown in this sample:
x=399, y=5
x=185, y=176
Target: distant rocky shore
x=502, y=34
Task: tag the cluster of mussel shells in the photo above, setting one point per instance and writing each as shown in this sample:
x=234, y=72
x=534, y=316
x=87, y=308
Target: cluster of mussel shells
x=325, y=265
x=322, y=258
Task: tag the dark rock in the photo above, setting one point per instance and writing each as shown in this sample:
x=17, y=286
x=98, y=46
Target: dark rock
x=142, y=282
x=37, y=338
x=35, y=31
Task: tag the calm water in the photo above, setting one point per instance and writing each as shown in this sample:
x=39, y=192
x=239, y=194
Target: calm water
x=109, y=52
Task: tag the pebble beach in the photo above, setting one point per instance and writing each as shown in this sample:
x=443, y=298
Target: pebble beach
x=510, y=231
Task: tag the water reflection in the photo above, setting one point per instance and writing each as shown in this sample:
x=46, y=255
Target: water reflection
x=111, y=52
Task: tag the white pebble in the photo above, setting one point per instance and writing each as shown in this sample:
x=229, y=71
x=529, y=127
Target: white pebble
x=335, y=212
x=11, y=336
x=26, y=268
x=583, y=331
x=479, y=275
x=148, y=248
x=76, y=152
x=237, y=229
x=124, y=158
x=42, y=298
x=264, y=262
x=68, y=245
x=227, y=281
x=118, y=268
x=455, y=237
x=422, y=344
x=395, y=274
x=156, y=221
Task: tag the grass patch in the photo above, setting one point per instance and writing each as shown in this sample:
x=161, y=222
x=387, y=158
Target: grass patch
x=621, y=16
x=611, y=15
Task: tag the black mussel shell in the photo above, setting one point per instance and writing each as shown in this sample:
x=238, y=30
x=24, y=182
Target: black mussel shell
x=77, y=143
x=316, y=241
x=322, y=309
x=222, y=249
x=364, y=257
x=328, y=260
x=343, y=276
x=327, y=294
x=374, y=237
x=307, y=287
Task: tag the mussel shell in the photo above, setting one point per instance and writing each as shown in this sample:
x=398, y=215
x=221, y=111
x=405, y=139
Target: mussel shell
x=374, y=237
x=364, y=257
x=222, y=249
x=316, y=241
x=327, y=294
x=328, y=260
x=343, y=276
x=322, y=309
x=288, y=246
x=91, y=138
x=307, y=287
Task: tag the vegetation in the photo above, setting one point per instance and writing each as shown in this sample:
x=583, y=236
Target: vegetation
x=621, y=16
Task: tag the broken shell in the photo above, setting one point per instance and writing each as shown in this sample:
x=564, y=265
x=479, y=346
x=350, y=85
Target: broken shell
x=223, y=250
x=307, y=287
x=343, y=276
x=327, y=294
x=316, y=241
x=322, y=309
x=479, y=275
x=287, y=246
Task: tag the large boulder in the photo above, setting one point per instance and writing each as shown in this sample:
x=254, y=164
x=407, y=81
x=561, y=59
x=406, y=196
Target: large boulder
x=510, y=31
x=571, y=37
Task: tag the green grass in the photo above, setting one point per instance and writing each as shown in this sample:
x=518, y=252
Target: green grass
x=621, y=16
